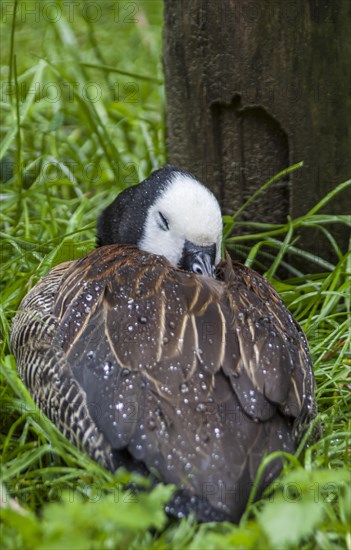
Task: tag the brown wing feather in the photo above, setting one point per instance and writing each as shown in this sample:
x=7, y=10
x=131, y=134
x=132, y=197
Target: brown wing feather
x=273, y=347
x=43, y=366
x=193, y=377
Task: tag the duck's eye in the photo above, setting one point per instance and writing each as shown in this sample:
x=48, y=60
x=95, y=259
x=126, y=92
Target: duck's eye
x=162, y=222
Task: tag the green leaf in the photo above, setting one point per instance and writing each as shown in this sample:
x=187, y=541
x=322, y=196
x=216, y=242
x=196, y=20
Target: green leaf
x=287, y=523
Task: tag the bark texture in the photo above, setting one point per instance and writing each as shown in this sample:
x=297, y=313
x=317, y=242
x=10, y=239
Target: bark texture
x=253, y=87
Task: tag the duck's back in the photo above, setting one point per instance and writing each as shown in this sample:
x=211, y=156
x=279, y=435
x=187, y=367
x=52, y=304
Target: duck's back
x=153, y=368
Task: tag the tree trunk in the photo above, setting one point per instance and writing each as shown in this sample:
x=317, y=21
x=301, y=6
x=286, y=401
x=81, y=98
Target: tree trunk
x=253, y=87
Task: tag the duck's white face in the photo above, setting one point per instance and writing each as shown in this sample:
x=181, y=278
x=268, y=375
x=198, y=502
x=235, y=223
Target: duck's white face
x=184, y=220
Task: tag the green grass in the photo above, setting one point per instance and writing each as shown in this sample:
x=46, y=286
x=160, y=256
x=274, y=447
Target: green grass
x=63, y=159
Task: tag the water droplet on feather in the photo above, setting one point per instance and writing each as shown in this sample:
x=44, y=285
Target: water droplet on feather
x=142, y=319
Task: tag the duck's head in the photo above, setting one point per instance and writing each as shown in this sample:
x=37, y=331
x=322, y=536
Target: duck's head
x=171, y=214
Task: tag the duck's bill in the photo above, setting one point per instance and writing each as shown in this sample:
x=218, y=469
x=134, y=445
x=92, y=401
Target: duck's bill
x=198, y=259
